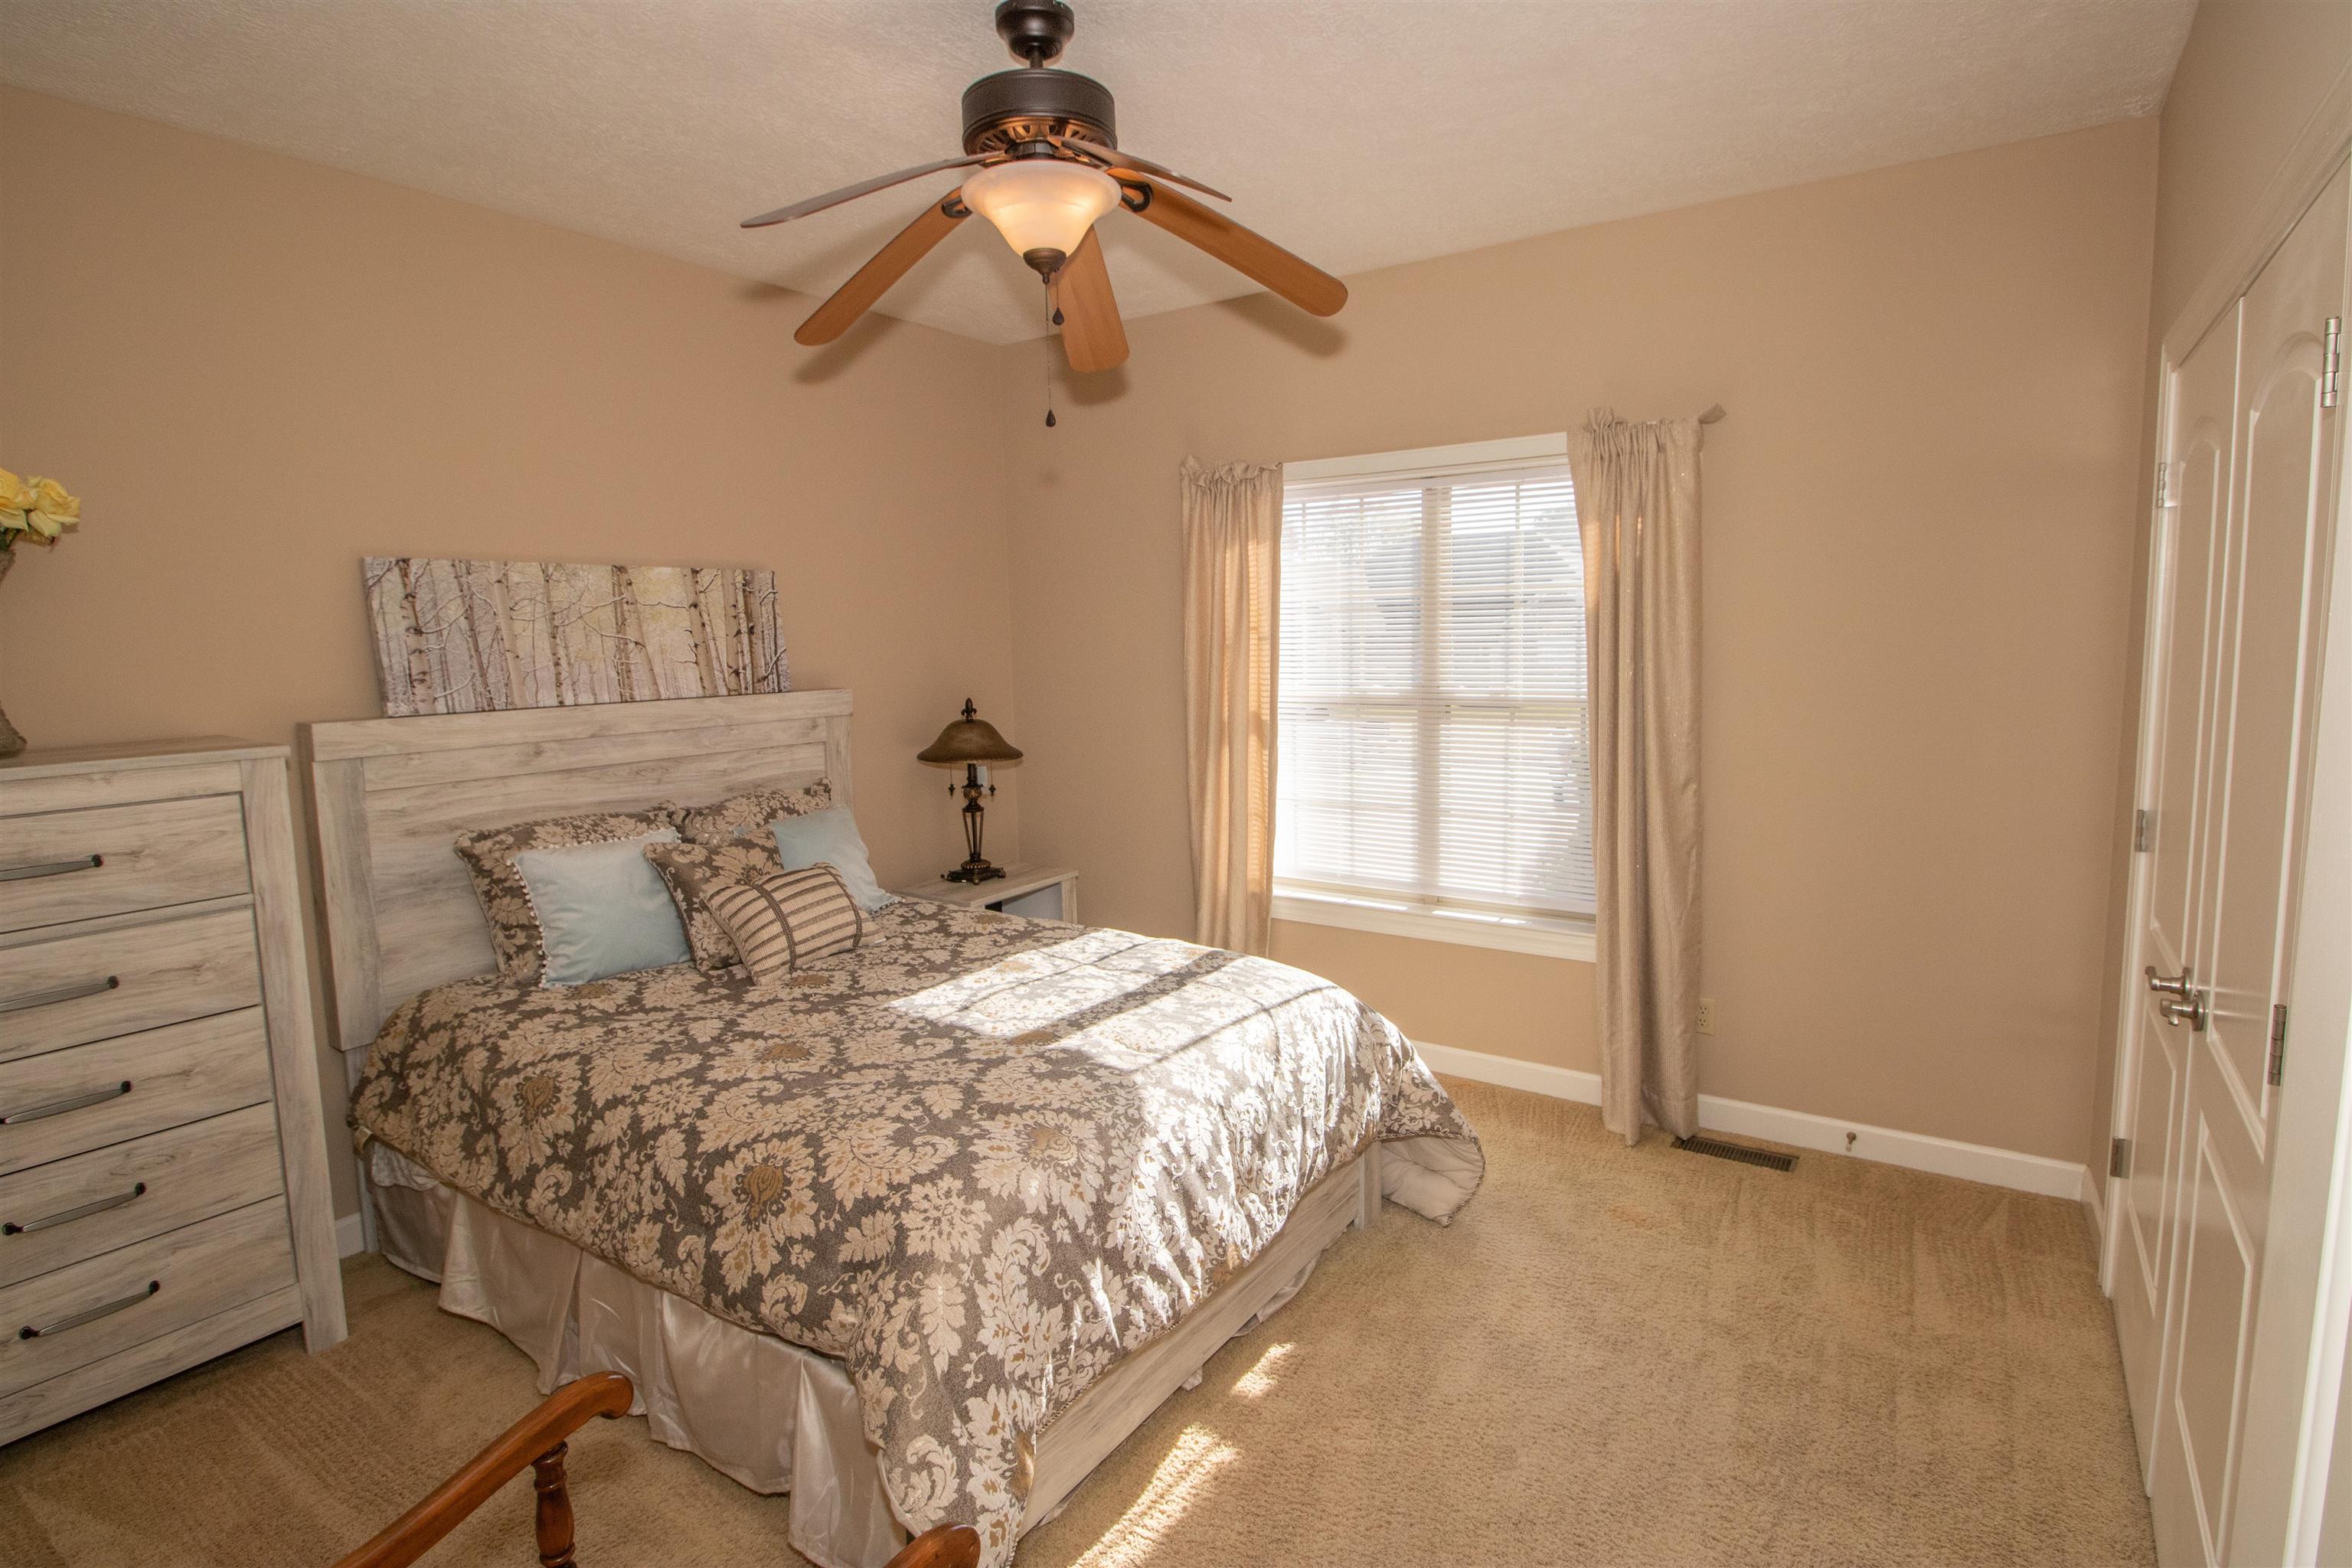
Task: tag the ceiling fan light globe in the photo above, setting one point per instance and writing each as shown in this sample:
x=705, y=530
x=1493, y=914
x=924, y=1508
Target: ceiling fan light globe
x=1041, y=204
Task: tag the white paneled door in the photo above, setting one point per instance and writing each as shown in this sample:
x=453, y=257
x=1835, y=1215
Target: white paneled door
x=2202, y=438
x=2252, y=459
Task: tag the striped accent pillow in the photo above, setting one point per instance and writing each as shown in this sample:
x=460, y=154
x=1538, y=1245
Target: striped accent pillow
x=691, y=871
x=782, y=923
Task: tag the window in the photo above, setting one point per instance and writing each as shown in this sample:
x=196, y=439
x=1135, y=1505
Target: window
x=1432, y=771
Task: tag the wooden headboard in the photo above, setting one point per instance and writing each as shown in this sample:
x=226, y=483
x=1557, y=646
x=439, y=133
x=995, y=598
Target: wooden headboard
x=388, y=797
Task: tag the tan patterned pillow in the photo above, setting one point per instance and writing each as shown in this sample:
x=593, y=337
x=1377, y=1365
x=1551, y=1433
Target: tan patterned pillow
x=742, y=816
x=693, y=871
x=783, y=922
x=489, y=852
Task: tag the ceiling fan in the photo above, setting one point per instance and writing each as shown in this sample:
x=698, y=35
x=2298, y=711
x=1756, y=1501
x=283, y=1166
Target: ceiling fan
x=1046, y=145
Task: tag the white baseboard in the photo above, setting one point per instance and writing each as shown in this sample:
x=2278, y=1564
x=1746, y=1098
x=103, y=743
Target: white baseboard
x=1798, y=1129
x=348, y=1238
x=1536, y=1078
x=2095, y=1201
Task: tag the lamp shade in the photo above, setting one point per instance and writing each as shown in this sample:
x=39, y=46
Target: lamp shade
x=969, y=739
x=1041, y=204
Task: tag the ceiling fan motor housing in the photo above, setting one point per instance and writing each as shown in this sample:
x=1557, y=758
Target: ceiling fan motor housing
x=1014, y=108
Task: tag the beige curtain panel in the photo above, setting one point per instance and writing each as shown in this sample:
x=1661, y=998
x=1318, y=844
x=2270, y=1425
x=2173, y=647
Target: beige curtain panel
x=1233, y=565
x=1637, y=501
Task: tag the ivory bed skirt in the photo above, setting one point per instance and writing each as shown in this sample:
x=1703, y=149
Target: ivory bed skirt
x=769, y=1413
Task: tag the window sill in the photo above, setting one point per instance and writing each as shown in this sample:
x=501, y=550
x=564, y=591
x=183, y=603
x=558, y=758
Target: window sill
x=1544, y=936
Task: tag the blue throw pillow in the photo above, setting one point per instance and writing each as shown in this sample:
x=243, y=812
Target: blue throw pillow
x=602, y=910
x=830, y=839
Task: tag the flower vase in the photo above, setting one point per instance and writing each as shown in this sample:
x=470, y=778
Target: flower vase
x=11, y=742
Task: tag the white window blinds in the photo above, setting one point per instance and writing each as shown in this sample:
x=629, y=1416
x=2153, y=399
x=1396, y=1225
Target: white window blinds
x=1431, y=698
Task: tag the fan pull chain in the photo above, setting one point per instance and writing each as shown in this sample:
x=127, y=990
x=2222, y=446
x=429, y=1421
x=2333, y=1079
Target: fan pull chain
x=1050, y=421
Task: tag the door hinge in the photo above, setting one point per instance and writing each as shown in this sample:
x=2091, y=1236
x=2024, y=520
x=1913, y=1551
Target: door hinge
x=2119, y=1156
x=2163, y=484
x=2143, y=831
x=2278, y=1042
x=2331, y=364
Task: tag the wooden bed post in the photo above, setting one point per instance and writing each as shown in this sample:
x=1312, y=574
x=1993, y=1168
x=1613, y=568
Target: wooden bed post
x=1368, y=1187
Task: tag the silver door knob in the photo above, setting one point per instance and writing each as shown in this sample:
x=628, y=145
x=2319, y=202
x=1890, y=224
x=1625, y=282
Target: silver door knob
x=2178, y=985
x=2190, y=1012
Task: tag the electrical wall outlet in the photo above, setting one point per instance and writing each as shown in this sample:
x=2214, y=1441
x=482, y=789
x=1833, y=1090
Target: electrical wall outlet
x=1707, y=1014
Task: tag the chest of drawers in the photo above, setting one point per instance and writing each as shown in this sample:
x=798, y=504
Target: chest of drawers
x=163, y=1191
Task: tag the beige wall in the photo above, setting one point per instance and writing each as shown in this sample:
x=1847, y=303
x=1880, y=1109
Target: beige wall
x=254, y=371
x=1917, y=545
x=1539, y=1009
x=1918, y=536
x=2249, y=79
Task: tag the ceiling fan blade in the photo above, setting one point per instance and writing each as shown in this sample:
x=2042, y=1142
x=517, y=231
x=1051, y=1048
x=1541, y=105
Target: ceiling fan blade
x=1116, y=158
x=1091, y=332
x=888, y=265
x=863, y=188
x=1309, y=287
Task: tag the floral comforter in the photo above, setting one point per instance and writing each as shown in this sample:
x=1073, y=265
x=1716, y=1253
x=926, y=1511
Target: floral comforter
x=979, y=1160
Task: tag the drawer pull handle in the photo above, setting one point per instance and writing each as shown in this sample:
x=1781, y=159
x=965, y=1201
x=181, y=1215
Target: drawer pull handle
x=67, y=1216
x=59, y=1106
x=61, y=994
x=51, y=868
x=88, y=1314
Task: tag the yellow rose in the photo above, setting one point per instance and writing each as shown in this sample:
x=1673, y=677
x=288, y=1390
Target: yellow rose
x=39, y=508
x=53, y=508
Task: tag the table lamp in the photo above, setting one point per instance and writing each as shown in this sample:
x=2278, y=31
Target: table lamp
x=967, y=743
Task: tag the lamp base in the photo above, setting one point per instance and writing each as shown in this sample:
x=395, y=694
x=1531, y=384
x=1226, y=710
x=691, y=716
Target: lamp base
x=975, y=867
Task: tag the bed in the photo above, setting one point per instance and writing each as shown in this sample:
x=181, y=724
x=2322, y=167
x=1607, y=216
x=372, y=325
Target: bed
x=919, y=1234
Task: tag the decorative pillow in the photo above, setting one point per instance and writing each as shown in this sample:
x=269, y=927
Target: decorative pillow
x=490, y=853
x=602, y=910
x=692, y=872
x=739, y=814
x=789, y=920
x=830, y=839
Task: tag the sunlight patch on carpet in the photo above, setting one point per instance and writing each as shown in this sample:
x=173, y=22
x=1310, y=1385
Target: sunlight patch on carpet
x=1183, y=1480
x=1259, y=1380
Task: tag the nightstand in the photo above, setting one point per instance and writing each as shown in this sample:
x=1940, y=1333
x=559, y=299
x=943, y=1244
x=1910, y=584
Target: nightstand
x=1041, y=892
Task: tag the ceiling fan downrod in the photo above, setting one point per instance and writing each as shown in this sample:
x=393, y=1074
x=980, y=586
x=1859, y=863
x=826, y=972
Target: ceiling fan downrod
x=1036, y=30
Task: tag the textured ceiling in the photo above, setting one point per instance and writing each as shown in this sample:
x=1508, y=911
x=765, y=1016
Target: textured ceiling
x=1358, y=133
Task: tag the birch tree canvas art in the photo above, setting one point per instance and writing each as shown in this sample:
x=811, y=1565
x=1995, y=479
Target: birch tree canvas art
x=467, y=637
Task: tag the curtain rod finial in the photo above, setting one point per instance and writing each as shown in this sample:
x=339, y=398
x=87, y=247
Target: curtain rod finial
x=1714, y=413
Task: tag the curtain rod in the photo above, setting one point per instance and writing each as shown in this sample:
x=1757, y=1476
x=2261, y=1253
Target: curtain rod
x=1712, y=414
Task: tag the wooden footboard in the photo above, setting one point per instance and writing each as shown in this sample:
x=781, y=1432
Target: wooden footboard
x=1117, y=1403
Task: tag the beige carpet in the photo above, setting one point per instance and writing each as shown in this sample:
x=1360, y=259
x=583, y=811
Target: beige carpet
x=1612, y=1356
